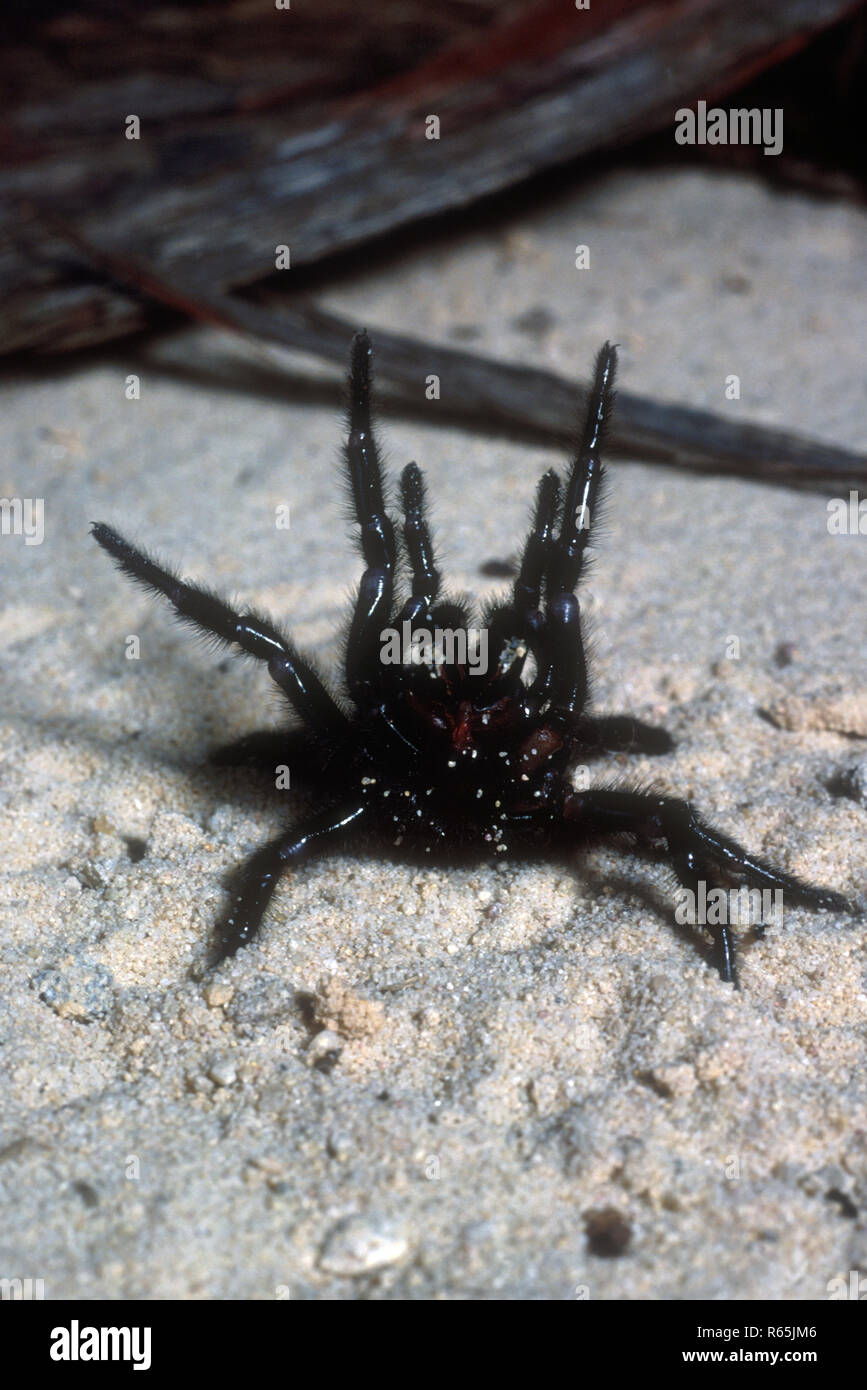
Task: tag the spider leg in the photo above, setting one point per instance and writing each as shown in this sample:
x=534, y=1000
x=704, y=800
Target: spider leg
x=620, y=733
x=373, y=604
x=294, y=675
x=691, y=874
x=568, y=551
x=698, y=852
x=263, y=870
x=527, y=591
x=562, y=678
x=426, y=577
x=520, y=619
x=422, y=610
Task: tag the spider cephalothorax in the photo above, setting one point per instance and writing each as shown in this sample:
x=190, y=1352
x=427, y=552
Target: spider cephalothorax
x=454, y=735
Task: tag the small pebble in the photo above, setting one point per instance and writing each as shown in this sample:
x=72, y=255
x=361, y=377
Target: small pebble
x=326, y=1044
x=358, y=1245
x=216, y=995
x=222, y=1071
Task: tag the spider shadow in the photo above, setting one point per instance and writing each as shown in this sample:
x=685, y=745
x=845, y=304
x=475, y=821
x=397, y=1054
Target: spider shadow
x=246, y=787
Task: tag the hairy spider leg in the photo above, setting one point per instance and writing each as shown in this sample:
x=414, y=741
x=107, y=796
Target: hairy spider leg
x=698, y=852
x=364, y=670
x=426, y=577
x=421, y=610
x=691, y=872
x=263, y=870
x=562, y=681
x=567, y=552
x=292, y=672
x=527, y=590
x=521, y=619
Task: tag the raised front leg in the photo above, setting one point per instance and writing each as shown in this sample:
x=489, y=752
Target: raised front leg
x=562, y=679
x=292, y=672
x=425, y=573
x=519, y=622
x=378, y=547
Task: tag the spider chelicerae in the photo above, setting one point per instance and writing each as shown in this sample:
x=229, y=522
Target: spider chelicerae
x=440, y=750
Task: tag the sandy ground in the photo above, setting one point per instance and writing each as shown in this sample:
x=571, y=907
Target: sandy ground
x=521, y=1082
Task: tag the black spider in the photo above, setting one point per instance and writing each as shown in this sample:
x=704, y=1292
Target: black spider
x=437, y=754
